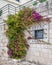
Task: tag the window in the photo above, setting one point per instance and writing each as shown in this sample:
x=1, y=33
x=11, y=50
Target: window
x=39, y=34
x=18, y=0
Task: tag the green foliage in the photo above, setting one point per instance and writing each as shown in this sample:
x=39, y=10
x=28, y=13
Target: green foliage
x=42, y=1
x=35, y=3
x=17, y=47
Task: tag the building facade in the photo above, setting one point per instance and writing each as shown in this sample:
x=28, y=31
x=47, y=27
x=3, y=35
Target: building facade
x=42, y=32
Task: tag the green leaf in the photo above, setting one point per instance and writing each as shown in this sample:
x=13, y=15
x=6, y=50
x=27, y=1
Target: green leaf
x=42, y=1
x=16, y=25
x=35, y=3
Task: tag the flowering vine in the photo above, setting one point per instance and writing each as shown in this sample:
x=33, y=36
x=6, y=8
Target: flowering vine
x=17, y=24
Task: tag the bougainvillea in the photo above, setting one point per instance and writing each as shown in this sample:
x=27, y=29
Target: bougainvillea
x=17, y=24
x=37, y=16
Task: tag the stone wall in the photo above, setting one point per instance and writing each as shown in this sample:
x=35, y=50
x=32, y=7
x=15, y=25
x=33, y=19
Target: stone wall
x=41, y=53
x=3, y=41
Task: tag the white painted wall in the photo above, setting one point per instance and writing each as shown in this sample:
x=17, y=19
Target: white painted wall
x=41, y=53
x=21, y=1
x=12, y=2
x=2, y=3
x=50, y=31
x=16, y=2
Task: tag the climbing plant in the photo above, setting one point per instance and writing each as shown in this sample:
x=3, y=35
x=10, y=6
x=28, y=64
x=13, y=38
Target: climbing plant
x=17, y=24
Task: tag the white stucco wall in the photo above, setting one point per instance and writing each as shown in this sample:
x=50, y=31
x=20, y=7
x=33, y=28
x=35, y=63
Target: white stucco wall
x=36, y=52
x=2, y=3
x=50, y=32
x=41, y=53
x=20, y=1
x=14, y=2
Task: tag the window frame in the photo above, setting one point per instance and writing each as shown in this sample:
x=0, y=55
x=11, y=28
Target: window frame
x=38, y=37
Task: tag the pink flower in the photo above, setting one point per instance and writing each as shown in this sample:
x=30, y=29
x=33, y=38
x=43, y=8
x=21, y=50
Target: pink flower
x=29, y=37
x=10, y=52
x=37, y=16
